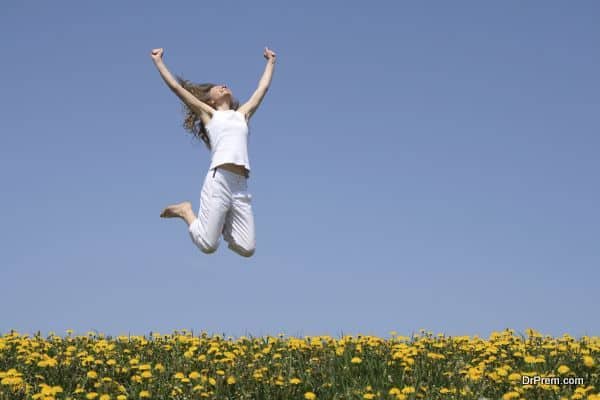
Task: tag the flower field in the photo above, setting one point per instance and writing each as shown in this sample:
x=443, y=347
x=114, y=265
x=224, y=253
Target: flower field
x=184, y=365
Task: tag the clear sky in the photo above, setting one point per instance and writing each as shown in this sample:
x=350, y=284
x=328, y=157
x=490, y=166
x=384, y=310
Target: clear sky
x=414, y=166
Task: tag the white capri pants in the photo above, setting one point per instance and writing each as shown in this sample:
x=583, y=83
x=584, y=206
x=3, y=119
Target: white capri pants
x=225, y=207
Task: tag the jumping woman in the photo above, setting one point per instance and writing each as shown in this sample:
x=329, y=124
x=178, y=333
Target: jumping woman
x=214, y=116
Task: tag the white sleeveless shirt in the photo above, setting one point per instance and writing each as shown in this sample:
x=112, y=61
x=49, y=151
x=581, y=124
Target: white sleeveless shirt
x=228, y=134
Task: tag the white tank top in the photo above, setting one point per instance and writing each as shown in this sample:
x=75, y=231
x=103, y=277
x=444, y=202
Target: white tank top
x=228, y=134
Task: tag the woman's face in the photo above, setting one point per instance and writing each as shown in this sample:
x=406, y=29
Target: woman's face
x=219, y=92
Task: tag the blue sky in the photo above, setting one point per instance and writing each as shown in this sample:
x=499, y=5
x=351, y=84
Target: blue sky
x=414, y=166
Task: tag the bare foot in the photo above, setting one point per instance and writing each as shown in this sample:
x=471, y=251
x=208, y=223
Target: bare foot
x=177, y=210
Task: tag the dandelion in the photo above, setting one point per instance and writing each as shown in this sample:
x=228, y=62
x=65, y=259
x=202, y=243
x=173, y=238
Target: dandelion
x=144, y=394
x=356, y=360
x=510, y=395
x=194, y=375
x=436, y=356
x=563, y=369
x=231, y=380
x=179, y=375
x=514, y=377
x=310, y=396
x=588, y=361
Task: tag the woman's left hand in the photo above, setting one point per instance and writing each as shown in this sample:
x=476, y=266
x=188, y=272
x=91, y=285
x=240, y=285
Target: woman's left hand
x=269, y=54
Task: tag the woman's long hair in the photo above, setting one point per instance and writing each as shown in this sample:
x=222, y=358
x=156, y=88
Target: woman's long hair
x=192, y=122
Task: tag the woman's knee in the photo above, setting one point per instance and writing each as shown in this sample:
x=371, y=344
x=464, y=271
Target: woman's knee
x=205, y=245
x=209, y=248
x=244, y=251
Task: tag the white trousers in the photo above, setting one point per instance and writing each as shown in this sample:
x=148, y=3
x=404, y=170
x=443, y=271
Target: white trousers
x=225, y=207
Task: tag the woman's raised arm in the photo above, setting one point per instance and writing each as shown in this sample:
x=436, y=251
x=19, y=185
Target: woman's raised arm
x=189, y=99
x=251, y=105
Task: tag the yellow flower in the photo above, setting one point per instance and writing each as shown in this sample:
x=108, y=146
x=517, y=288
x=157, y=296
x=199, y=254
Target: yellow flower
x=194, y=375
x=146, y=374
x=179, y=375
x=280, y=382
x=230, y=380
x=121, y=397
x=91, y=395
x=563, y=369
x=105, y=397
x=310, y=396
x=436, y=356
x=144, y=394
x=295, y=381
x=474, y=374
x=532, y=333
x=408, y=389
x=588, y=361
x=510, y=395
x=356, y=360
x=514, y=377
x=92, y=374
x=368, y=396
x=394, y=391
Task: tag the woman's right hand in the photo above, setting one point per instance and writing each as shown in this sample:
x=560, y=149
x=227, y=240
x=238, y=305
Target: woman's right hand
x=157, y=54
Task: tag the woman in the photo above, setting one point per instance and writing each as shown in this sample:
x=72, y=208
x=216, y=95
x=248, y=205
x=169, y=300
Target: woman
x=214, y=115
